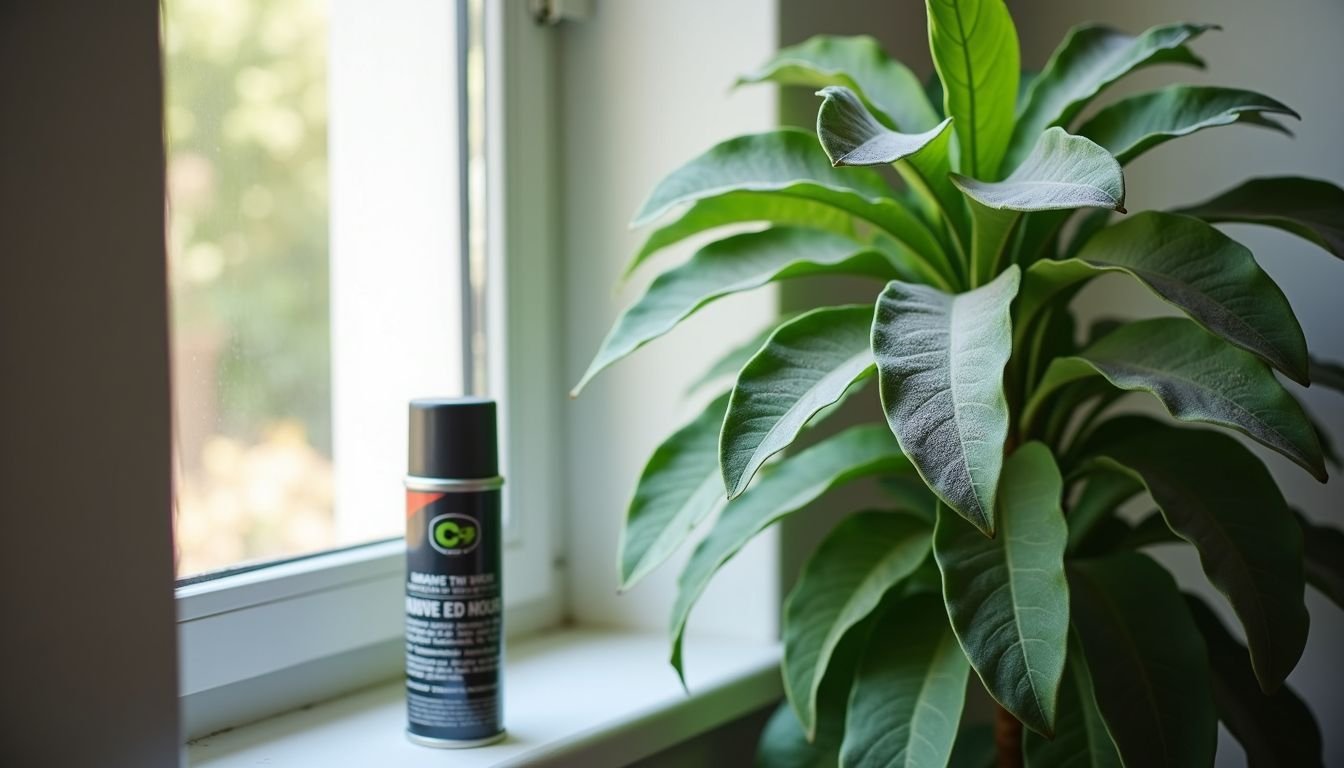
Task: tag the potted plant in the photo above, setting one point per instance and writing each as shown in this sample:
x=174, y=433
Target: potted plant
x=1003, y=552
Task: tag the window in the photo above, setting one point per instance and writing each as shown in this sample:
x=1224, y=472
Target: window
x=246, y=112
x=343, y=237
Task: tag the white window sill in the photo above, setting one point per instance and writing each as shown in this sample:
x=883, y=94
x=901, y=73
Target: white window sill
x=572, y=697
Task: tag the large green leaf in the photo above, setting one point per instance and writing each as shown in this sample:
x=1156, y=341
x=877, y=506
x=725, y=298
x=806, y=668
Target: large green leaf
x=1007, y=596
x=739, y=208
x=852, y=136
x=808, y=364
x=1196, y=268
x=1323, y=559
x=940, y=362
x=1274, y=729
x=680, y=486
x=1063, y=172
x=906, y=703
x=1150, y=671
x=795, y=482
x=1217, y=495
x=1089, y=59
x=789, y=163
x=857, y=63
x=843, y=582
x=1312, y=209
x=786, y=161
x=1081, y=740
x=1132, y=126
x=974, y=47
x=1197, y=378
x=738, y=263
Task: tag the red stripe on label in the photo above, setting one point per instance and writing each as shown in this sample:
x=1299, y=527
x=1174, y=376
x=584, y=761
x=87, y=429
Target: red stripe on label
x=418, y=500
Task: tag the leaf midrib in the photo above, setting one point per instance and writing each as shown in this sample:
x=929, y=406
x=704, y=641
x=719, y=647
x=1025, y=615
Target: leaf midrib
x=987, y=517
x=970, y=85
x=1004, y=527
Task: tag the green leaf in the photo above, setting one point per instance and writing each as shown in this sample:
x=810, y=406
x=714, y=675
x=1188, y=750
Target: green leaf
x=795, y=482
x=1312, y=209
x=735, y=264
x=907, y=698
x=738, y=208
x=1150, y=671
x=808, y=364
x=1197, y=269
x=786, y=161
x=974, y=47
x=679, y=487
x=859, y=64
x=1323, y=559
x=1007, y=596
x=1062, y=172
x=784, y=745
x=1132, y=126
x=1275, y=729
x=789, y=163
x=1217, y=495
x=940, y=361
x=1090, y=59
x=1081, y=738
x=1103, y=494
x=1197, y=378
x=843, y=582
x=852, y=136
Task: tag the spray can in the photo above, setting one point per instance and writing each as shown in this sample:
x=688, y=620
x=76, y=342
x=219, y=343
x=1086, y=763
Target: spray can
x=454, y=598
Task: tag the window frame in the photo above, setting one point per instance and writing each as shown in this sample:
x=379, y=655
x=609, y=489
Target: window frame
x=237, y=628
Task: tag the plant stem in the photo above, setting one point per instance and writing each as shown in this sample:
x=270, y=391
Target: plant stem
x=1007, y=739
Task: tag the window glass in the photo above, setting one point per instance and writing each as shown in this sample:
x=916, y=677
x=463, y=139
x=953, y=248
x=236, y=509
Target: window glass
x=315, y=262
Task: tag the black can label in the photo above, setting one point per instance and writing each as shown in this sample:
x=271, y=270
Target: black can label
x=454, y=614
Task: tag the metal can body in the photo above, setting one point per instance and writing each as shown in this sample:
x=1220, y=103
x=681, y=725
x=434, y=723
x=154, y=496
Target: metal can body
x=454, y=612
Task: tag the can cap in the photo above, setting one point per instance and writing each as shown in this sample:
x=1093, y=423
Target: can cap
x=453, y=438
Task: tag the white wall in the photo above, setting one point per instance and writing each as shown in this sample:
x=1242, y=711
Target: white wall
x=644, y=87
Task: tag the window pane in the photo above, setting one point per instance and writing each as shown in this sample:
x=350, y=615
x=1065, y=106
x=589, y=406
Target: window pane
x=315, y=264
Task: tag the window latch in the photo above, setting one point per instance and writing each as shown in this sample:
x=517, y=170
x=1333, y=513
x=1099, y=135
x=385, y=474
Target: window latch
x=552, y=12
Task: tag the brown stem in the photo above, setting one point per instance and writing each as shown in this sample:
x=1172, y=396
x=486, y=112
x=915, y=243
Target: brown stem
x=1007, y=739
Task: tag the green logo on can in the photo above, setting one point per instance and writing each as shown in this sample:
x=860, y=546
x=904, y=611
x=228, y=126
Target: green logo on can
x=454, y=534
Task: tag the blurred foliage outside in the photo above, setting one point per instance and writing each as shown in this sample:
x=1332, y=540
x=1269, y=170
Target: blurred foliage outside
x=246, y=128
